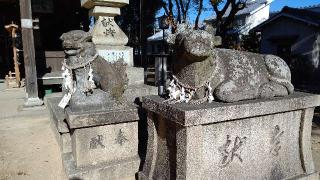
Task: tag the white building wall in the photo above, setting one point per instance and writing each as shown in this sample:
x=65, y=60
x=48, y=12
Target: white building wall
x=255, y=19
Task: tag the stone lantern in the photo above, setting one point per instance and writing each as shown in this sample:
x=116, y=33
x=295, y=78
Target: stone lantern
x=109, y=39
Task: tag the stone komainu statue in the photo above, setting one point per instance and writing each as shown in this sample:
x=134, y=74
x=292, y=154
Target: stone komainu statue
x=89, y=80
x=204, y=73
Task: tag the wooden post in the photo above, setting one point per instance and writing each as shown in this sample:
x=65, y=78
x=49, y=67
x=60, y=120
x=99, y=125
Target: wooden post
x=161, y=73
x=158, y=74
x=32, y=98
x=12, y=29
x=15, y=58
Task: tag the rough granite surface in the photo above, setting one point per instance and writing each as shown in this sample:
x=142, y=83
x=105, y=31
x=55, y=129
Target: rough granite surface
x=233, y=75
x=189, y=115
x=80, y=54
x=119, y=170
x=231, y=140
x=105, y=144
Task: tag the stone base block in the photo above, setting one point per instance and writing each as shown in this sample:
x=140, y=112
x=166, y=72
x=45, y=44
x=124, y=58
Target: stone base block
x=63, y=140
x=97, y=144
x=31, y=102
x=124, y=170
x=105, y=144
x=57, y=115
x=86, y=119
x=257, y=139
x=134, y=93
x=135, y=75
x=58, y=124
x=66, y=145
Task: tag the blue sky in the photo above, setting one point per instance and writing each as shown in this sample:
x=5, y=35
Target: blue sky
x=276, y=5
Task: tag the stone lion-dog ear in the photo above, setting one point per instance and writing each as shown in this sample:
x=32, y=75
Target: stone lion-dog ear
x=86, y=38
x=62, y=37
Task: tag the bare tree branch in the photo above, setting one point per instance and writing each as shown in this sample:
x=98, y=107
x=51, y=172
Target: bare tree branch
x=179, y=11
x=223, y=20
x=166, y=10
x=182, y=8
x=186, y=10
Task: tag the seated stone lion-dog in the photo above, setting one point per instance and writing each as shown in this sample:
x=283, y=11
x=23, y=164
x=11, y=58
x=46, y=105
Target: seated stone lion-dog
x=204, y=73
x=90, y=81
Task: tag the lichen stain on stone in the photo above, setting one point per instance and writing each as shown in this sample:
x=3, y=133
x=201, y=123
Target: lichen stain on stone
x=276, y=173
x=117, y=92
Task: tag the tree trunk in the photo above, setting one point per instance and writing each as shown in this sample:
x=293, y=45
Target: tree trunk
x=196, y=23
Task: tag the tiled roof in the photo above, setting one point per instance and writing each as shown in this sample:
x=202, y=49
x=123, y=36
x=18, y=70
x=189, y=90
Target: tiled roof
x=250, y=7
x=303, y=15
x=310, y=7
x=304, y=7
x=159, y=35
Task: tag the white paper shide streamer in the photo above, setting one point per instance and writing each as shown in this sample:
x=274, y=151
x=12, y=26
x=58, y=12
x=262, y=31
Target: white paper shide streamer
x=68, y=84
x=90, y=82
x=180, y=93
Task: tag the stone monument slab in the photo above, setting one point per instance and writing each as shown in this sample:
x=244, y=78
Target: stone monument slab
x=116, y=53
x=107, y=32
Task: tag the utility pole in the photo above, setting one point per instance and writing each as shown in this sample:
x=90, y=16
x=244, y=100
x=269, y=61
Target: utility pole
x=32, y=97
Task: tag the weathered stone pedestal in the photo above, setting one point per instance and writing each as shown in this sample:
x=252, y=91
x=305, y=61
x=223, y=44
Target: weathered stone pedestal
x=97, y=144
x=256, y=139
x=104, y=144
